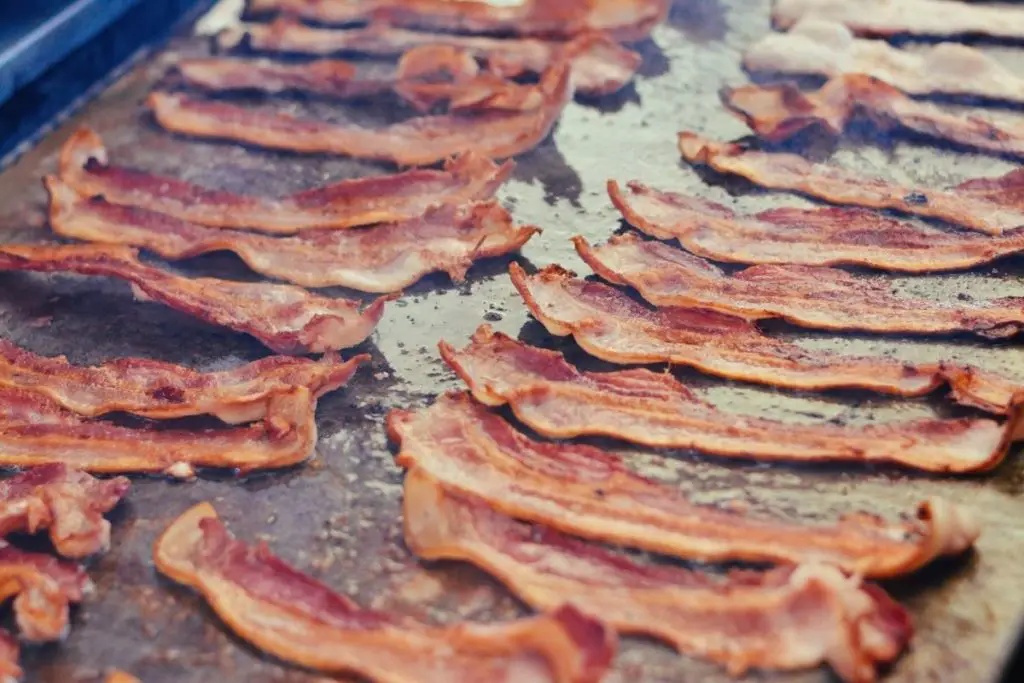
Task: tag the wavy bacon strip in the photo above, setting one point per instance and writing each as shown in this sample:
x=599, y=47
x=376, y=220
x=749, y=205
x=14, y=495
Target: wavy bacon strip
x=285, y=318
x=787, y=618
x=607, y=324
x=989, y=205
x=43, y=589
x=84, y=166
x=653, y=409
x=830, y=236
x=386, y=258
x=818, y=298
x=941, y=18
x=778, y=112
x=300, y=620
x=585, y=491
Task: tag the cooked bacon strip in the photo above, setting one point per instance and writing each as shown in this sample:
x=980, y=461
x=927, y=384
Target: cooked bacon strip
x=654, y=409
x=939, y=18
x=990, y=205
x=285, y=318
x=829, y=236
x=585, y=491
x=608, y=324
x=381, y=259
x=787, y=618
x=818, y=298
x=43, y=589
x=625, y=20
x=300, y=620
x=819, y=47
x=778, y=112
x=467, y=177
x=329, y=78
x=67, y=503
x=10, y=652
x=116, y=676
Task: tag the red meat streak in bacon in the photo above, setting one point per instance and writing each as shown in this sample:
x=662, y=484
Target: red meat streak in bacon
x=285, y=318
x=607, y=324
x=788, y=618
x=830, y=236
x=299, y=620
x=42, y=588
x=84, y=165
x=589, y=492
x=386, y=258
x=653, y=409
x=989, y=205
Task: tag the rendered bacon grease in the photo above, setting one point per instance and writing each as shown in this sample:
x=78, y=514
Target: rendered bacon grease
x=588, y=492
x=790, y=618
x=300, y=620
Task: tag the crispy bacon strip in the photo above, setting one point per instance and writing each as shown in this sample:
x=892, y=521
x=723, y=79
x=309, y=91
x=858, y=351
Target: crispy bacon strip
x=787, y=618
x=654, y=409
x=380, y=259
x=818, y=298
x=287, y=319
x=300, y=620
x=467, y=177
x=989, y=205
x=607, y=324
x=828, y=236
x=67, y=503
x=939, y=18
x=10, y=671
x=778, y=112
x=585, y=491
x=43, y=589
x=819, y=47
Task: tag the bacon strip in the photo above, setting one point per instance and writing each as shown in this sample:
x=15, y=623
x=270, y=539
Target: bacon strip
x=778, y=112
x=381, y=259
x=328, y=78
x=467, y=177
x=588, y=492
x=787, y=618
x=654, y=409
x=10, y=671
x=818, y=298
x=609, y=325
x=942, y=18
x=43, y=589
x=287, y=319
x=811, y=237
x=819, y=47
x=300, y=620
x=990, y=205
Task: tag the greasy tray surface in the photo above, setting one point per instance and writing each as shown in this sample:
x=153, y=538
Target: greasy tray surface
x=338, y=517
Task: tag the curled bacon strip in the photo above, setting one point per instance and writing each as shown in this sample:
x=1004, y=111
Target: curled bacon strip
x=299, y=620
x=386, y=258
x=828, y=236
x=778, y=112
x=787, y=618
x=609, y=325
x=585, y=491
x=990, y=205
x=818, y=298
x=287, y=319
x=43, y=589
x=467, y=177
x=654, y=409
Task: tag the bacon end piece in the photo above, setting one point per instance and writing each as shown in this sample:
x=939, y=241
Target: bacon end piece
x=302, y=621
x=43, y=589
x=10, y=652
x=788, y=618
x=386, y=258
x=989, y=205
x=285, y=318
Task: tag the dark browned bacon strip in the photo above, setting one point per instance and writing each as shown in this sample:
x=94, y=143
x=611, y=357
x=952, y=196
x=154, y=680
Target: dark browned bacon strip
x=386, y=258
x=814, y=297
x=287, y=319
x=585, y=491
x=830, y=236
x=300, y=620
x=654, y=409
x=84, y=165
x=787, y=618
x=43, y=589
x=993, y=206
x=609, y=325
